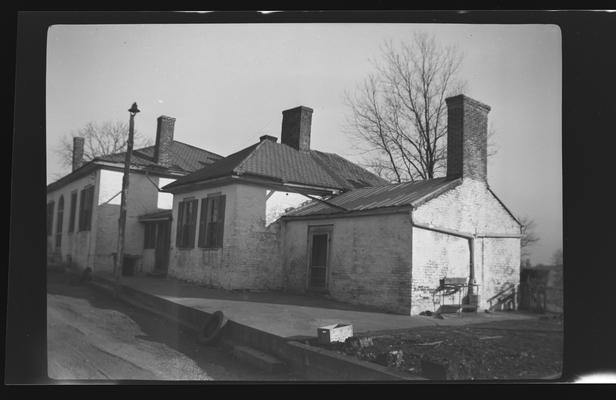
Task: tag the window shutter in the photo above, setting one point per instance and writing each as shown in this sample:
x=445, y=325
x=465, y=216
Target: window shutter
x=50, y=207
x=179, y=224
x=203, y=219
x=80, y=213
x=71, y=223
x=90, y=206
x=220, y=223
x=192, y=223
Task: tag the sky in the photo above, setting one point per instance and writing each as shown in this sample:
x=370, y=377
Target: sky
x=227, y=84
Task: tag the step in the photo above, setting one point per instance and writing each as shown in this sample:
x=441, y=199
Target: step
x=258, y=359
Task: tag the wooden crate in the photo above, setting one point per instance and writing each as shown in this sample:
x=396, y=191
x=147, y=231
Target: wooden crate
x=334, y=333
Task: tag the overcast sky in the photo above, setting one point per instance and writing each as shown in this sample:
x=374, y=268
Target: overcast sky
x=227, y=84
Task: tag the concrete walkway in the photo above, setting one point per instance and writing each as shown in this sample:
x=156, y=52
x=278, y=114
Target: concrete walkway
x=295, y=316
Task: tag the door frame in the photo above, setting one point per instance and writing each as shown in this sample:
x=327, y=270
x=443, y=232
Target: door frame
x=312, y=230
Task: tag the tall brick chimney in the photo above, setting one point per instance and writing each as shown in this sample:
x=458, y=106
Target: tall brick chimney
x=78, y=143
x=296, y=124
x=164, y=138
x=467, y=138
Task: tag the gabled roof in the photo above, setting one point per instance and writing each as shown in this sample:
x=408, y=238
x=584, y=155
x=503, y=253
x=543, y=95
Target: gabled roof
x=283, y=164
x=378, y=197
x=183, y=157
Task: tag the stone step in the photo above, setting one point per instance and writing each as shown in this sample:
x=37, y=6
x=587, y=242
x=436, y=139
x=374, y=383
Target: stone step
x=258, y=359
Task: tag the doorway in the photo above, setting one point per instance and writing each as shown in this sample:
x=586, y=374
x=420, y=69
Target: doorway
x=157, y=238
x=161, y=252
x=319, y=244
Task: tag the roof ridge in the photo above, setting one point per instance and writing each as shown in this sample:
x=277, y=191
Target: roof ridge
x=239, y=166
x=329, y=172
x=351, y=164
x=198, y=148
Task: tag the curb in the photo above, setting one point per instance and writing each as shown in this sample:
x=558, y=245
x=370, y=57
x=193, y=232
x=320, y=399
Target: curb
x=310, y=362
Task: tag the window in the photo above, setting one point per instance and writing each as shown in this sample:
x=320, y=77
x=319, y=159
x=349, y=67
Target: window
x=211, y=222
x=149, y=241
x=59, y=222
x=85, y=208
x=187, y=221
x=50, y=207
x=71, y=222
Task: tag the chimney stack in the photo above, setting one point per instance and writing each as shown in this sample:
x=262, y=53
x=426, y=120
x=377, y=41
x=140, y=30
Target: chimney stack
x=296, y=124
x=164, y=139
x=78, y=143
x=268, y=137
x=467, y=138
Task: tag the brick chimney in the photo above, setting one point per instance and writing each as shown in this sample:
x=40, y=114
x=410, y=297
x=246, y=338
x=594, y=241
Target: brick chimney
x=296, y=124
x=467, y=138
x=78, y=143
x=164, y=138
x=268, y=137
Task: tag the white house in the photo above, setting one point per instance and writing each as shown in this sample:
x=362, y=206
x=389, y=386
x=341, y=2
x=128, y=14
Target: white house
x=83, y=206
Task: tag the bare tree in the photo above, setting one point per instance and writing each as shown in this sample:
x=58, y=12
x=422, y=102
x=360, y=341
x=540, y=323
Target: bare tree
x=529, y=237
x=99, y=139
x=399, y=112
x=557, y=257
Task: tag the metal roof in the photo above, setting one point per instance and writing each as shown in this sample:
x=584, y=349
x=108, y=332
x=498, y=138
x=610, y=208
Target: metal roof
x=378, y=197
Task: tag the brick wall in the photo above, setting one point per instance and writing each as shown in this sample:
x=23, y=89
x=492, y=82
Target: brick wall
x=469, y=208
x=249, y=258
x=435, y=256
x=94, y=248
x=370, y=259
x=76, y=247
x=142, y=199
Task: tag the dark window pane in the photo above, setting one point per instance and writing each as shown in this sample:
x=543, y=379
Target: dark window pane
x=73, y=210
x=50, y=207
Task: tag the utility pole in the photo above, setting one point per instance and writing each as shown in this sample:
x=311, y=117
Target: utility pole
x=119, y=260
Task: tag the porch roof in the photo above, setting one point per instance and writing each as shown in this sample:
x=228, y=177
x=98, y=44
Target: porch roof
x=160, y=215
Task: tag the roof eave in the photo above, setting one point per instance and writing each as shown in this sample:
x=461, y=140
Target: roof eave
x=404, y=209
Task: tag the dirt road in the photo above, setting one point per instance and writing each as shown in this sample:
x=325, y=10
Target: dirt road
x=91, y=336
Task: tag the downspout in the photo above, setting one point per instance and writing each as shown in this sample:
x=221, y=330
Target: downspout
x=471, y=245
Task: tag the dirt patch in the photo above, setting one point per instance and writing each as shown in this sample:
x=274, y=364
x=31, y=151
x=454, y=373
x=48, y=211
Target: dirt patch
x=520, y=349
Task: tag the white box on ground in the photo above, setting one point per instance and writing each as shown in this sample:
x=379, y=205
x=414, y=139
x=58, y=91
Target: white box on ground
x=334, y=333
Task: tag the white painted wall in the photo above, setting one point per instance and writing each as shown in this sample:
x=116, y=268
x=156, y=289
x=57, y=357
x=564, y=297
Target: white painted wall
x=94, y=248
x=249, y=258
x=469, y=208
x=165, y=200
x=77, y=247
x=142, y=199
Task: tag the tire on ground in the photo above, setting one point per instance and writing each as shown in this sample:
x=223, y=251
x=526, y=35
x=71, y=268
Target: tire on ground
x=212, y=327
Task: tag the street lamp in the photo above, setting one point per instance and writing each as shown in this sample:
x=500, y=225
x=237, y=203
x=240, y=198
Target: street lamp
x=119, y=261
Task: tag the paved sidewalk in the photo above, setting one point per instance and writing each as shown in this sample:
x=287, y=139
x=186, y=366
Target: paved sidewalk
x=294, y=316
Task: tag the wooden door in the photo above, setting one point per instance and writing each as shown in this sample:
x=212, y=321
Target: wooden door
x=161, y=256
x=319, y=249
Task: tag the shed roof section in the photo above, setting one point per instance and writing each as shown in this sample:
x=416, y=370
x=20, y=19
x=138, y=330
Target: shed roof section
x=281, y=163
x=378, y=197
